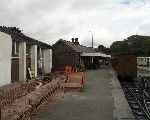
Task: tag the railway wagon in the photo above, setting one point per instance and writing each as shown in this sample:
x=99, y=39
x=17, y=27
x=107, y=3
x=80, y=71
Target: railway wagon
x=125, y=66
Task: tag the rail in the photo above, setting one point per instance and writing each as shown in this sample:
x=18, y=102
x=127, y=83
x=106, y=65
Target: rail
x=140, y=99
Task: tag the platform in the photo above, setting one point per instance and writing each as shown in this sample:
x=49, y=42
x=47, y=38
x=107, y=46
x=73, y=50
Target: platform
x=102, y=99
x=122, y=110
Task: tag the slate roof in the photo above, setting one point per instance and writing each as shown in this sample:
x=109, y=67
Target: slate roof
x=29, y=40
x=78, y=48
x=17, y=35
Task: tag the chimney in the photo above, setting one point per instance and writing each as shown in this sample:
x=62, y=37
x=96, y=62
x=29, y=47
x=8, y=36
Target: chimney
x=76, y=41
x=72, y=40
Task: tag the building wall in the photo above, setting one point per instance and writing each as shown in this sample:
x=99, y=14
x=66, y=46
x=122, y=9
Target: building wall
x=63, y=55
x=47, y=60
x=5, y=58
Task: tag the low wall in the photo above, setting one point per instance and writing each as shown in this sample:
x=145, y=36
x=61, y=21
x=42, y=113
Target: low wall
x=22, y=108
x=12, y=92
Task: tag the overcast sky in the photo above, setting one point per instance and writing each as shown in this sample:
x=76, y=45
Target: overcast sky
x=50, y=20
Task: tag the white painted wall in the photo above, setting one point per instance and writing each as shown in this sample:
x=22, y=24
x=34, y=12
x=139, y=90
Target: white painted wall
x=5, y=58
x=47, y=60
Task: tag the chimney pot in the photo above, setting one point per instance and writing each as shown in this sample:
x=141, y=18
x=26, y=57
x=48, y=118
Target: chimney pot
x=72, y=40
x=76, y=41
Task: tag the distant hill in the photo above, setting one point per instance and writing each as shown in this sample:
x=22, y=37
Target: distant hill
x=135, y=44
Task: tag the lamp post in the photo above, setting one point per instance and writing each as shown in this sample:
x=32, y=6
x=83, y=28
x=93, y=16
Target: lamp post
x=92, y=37
x=92, y=47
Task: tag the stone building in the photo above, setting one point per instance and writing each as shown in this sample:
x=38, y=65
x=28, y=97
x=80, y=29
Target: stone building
x=66, y=53
x=22, y=56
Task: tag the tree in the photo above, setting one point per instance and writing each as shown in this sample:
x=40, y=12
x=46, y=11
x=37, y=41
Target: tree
x=102, y=48
x=119, y=47
x=138, y=45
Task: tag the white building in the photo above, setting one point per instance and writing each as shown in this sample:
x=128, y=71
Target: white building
x=22, y=57
x=5, y=58
x=143, y=66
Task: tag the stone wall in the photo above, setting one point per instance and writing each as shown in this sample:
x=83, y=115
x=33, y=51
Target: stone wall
x=22, y=108
x=11, y=92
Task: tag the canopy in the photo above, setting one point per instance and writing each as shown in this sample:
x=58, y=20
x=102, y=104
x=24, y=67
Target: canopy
x=96, y=54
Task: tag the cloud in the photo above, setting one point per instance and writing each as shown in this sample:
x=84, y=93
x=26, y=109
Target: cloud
x=48, y=20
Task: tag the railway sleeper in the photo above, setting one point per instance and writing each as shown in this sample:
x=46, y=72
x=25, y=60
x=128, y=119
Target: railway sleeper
x=140, y=117
x=148, y=106
x=135, y=106
x=129, y=96
x=147, y=101
x=138, y=112
x=131, y=100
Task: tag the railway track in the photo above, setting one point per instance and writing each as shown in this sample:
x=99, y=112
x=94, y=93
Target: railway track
x=139, y=101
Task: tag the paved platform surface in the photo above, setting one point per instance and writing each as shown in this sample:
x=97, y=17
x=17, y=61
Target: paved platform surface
x=122, y=110
x=98, y=101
